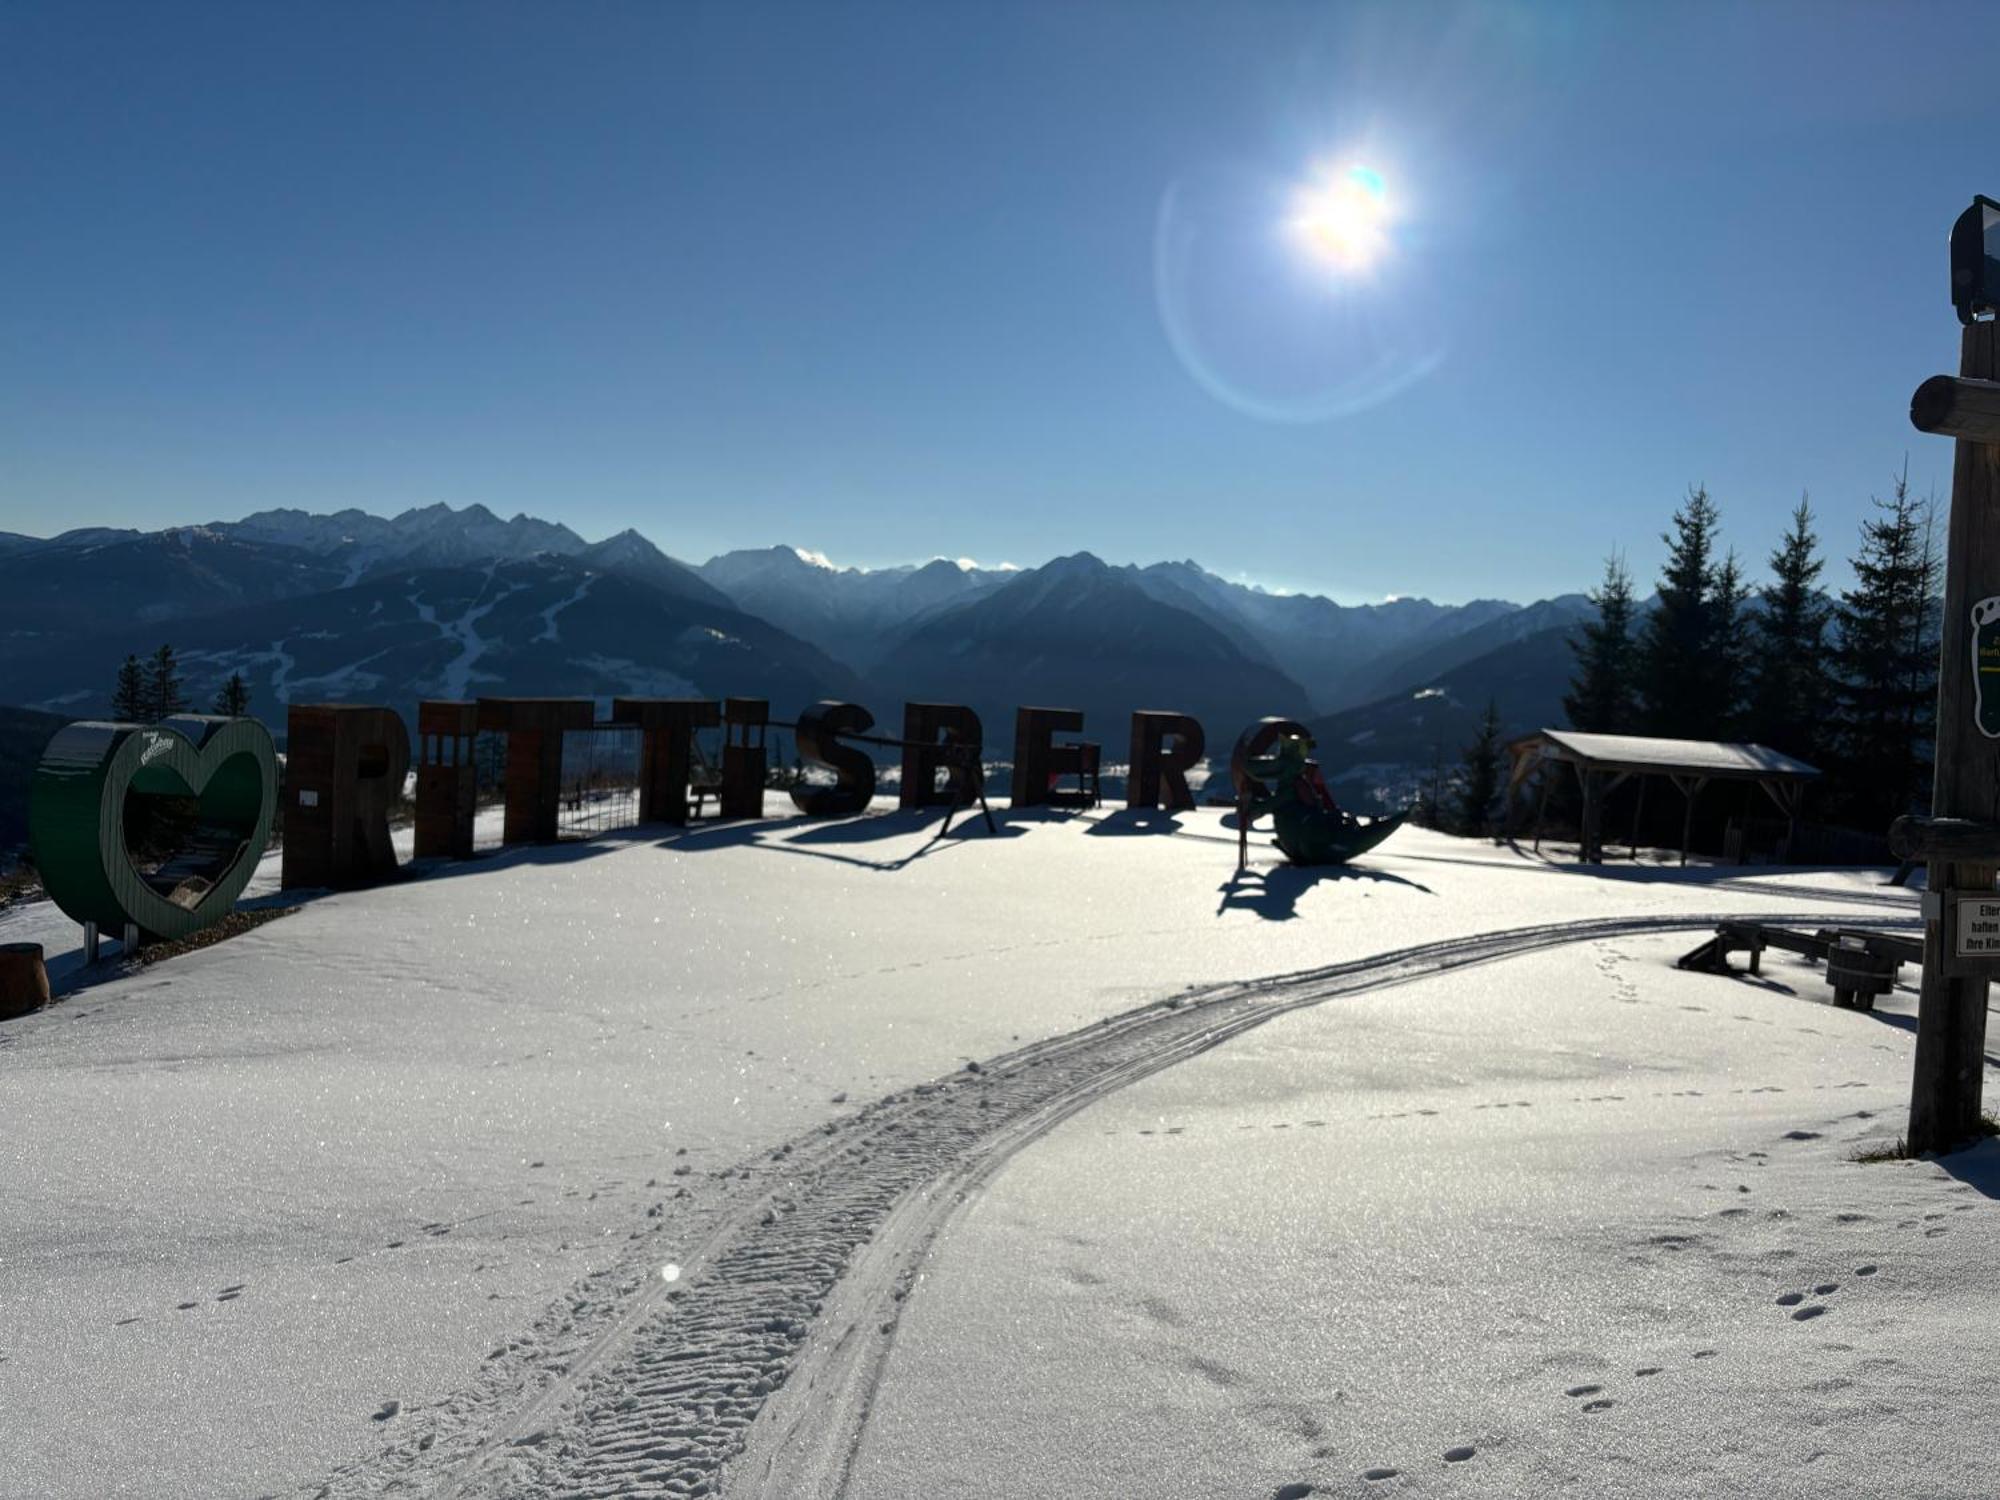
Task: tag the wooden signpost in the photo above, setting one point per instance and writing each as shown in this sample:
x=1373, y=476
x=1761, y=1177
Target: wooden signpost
x=1961, y=840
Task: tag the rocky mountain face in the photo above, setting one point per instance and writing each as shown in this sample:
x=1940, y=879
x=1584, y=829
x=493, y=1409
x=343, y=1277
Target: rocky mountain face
x=538, y=626
x=442, y=602
x=87, y=583
x=858, y=614
x=1078, y=634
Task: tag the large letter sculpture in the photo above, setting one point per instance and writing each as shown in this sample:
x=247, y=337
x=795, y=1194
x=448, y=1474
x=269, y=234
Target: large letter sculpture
x=1038, y=761
x=94, y=775
x=744, y=765
x=1252, y=743
x=1157, y=771
x=666, y=746
x=447, y=779
x=940, y=737
x=344, y=769
x=854, y=770
x=534, y=728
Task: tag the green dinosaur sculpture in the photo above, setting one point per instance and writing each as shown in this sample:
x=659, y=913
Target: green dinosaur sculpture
x=1309, y=826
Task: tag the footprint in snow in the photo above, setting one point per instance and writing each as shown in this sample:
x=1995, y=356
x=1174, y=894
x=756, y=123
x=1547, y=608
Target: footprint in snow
x=1380, y=1473
x=1459, y=1454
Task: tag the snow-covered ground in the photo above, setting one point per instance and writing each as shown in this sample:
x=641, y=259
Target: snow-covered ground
x=1591, y=1226
x=379, y=1196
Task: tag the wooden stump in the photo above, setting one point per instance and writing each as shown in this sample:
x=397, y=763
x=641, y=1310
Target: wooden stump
x=24, y=979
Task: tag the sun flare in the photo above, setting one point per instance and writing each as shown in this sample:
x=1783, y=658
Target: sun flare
x=1341, y=219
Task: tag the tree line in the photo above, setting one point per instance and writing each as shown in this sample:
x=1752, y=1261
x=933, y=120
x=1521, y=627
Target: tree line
x=150, y=690
x=1845, y=682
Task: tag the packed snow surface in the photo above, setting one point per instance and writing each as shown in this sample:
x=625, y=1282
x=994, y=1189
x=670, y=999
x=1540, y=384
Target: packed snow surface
x=433, y=1188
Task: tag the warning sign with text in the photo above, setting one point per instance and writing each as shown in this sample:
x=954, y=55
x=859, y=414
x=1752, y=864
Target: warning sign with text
x=1978, y=926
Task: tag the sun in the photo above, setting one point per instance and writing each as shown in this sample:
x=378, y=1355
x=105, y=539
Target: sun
x=1341, y=219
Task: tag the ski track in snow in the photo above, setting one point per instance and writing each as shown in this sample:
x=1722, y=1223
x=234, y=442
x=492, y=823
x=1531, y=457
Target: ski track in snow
x=793, y=1277
x=457, y=675
x=549, y=631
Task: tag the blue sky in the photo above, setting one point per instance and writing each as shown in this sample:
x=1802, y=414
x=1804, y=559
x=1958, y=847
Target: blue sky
x=993, y=280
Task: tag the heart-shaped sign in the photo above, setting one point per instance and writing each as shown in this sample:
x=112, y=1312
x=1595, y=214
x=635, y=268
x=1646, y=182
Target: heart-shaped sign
x=95, y=782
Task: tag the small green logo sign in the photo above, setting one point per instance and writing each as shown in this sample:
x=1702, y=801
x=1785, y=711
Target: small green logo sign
x=1986, y=666
x=93, y=783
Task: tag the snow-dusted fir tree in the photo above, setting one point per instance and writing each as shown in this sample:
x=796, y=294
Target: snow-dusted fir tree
x=1677, y=685
x=233, y=697
x=165, y=692
x=131, y=700
x=1600, y=694
x=1479, y=781
x=1887, y=662
x=1429, y=811
x=1791, y=674
x=1729, y=625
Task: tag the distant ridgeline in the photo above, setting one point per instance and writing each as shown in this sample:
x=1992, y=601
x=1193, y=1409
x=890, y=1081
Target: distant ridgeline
x=154, y=830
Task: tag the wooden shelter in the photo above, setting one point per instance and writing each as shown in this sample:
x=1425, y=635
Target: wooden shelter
x=1603, y=762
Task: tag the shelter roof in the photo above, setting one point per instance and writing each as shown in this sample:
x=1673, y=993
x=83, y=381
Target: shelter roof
x=1634, y=752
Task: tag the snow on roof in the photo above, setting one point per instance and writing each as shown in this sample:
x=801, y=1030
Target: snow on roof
x=1702, y=757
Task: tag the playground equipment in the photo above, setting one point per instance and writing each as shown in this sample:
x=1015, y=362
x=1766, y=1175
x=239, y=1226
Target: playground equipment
x=1284, y=782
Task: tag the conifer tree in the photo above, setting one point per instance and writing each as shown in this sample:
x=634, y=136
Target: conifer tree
x=1887, y=664
x=1600, y=695
x=1429, y=809
x=1791, y=677
x=1676, y=682
x=165, y=692
x=233, y=697
x=1479, y=783
x=1728, y=648
x=131, y=701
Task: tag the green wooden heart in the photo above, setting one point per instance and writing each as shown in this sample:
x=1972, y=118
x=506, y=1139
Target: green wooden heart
x=77, y=819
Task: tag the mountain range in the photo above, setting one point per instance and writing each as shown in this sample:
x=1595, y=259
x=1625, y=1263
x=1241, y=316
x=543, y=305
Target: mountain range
x=444, y=602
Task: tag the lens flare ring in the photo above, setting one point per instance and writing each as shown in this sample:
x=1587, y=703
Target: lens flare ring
x=1295, y=303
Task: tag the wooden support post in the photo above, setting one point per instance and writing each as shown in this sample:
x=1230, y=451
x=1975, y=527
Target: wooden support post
x=1541, y=807
x=1690, y=788
x=1593, y=816
x=1638, y=812
x=1951, y=1012
x=1522, y=759
x=1787, y=795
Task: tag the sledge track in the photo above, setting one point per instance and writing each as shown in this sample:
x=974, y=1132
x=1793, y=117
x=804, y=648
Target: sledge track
x=754, y=1372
